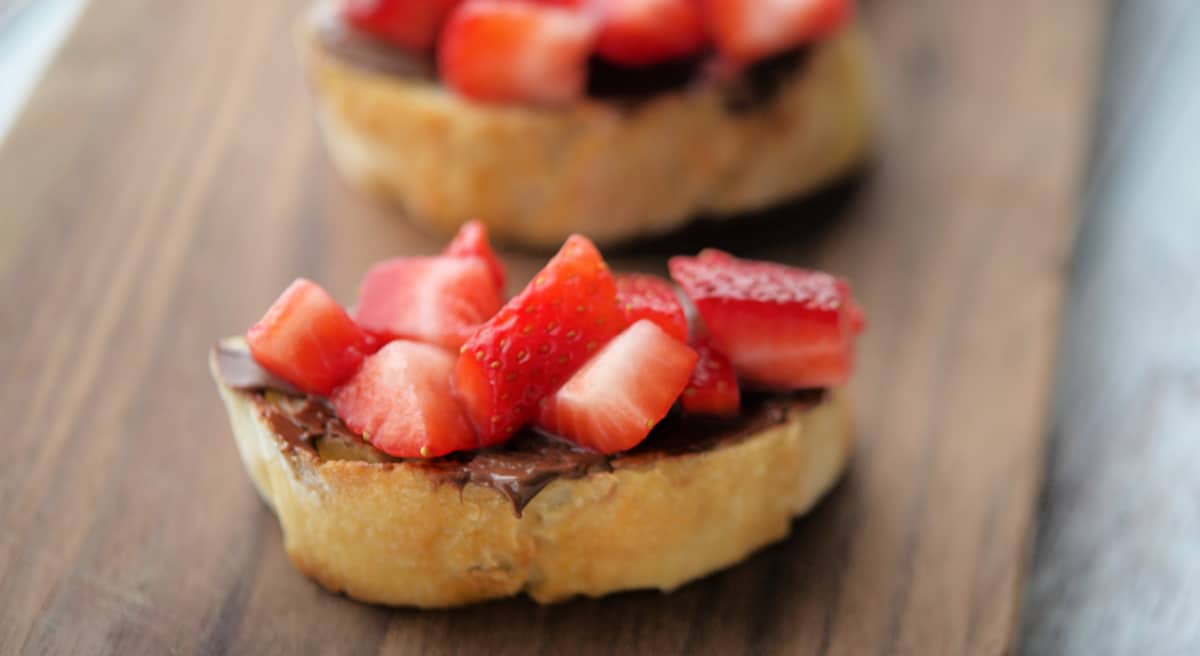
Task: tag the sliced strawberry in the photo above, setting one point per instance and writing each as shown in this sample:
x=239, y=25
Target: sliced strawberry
x=472, y=239
x=513, y=50
x=643, y=32
x=649, y=297
x=401, y=401
x=542, y=336
x=614, y=400
x=748, y=30
x=410, y=24
x=713, y=389
x=781, y=326
x=440, y=300
x=307, y=339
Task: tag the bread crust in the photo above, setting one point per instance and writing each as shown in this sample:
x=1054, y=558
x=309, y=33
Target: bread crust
x=394, y=533
x=607, y=170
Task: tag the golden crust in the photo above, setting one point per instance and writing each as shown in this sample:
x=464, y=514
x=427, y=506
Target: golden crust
x=396, y=534
x=607, y=171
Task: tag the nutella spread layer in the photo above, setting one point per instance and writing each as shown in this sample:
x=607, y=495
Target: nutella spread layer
x=754, y=87
x=521, y=467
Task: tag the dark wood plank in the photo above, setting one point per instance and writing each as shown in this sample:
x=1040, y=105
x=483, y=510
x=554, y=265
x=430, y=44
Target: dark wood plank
x=165, y=183
x=1116, y=568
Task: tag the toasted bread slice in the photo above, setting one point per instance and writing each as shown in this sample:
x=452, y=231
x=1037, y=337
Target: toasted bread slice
x=397, y=532
x=610, y=170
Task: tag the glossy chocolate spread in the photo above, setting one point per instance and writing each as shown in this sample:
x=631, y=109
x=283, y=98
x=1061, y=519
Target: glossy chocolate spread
x=518, y=469
x=754, y=87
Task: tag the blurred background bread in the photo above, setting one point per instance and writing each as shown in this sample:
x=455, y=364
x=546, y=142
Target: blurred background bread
x=609, y=170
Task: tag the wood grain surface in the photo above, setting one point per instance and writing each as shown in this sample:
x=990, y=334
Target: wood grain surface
x=166, y=182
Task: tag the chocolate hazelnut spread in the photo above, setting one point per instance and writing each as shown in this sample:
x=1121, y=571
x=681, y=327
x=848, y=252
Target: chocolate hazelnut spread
x=754, y=87
x=518, y=469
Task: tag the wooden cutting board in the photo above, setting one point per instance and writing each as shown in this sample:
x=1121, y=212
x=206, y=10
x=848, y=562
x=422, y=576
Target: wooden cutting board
x=166, y=181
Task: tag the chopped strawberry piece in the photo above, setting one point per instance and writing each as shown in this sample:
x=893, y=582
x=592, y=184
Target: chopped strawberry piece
x=410, y=24
x=748, y=30
x=781, y=326
x=439, y=300
x=307, y=339
x=643, y=32
x=512, y=50
x=401, y=401
x=472, y=239
x=614, y=400
x=713, y=389
x=649, y=297
x=542, y=336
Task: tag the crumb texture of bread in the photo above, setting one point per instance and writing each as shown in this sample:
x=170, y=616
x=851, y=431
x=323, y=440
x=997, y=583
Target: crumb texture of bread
x=613, y=172
x=392, y=533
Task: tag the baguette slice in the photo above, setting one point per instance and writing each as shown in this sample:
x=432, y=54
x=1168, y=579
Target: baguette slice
x=398, y=533
x=613, y=171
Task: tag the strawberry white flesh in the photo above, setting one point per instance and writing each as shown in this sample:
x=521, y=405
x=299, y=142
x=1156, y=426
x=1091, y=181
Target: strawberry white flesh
x=401, y=401
x=307, y=339
x=439, y=300
x=510, y=50
x=614, y=400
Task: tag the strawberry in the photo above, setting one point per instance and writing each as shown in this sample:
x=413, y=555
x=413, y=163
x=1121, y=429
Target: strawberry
x=307, y=339
x=614, y=400
x=713, y=389
x=645, y=296
x=782, y=327
x=542, y=336
x=472, y=239
x=643, y=32
x=410, y=24
x=748, y=30
x=439, y=300
x=401, y=402
x=513, y=50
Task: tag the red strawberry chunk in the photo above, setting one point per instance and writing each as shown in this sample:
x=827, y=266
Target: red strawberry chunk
x=643, y=32
x=747, y=30
x=713, y=389
x=440, y=300
x=542, y=336
x=782, y=327
x=410, y=24
x=649, y=297
x=614, y=400
x=513, y=50
x=472, y=240
x=401, y=401
x=307, y=339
